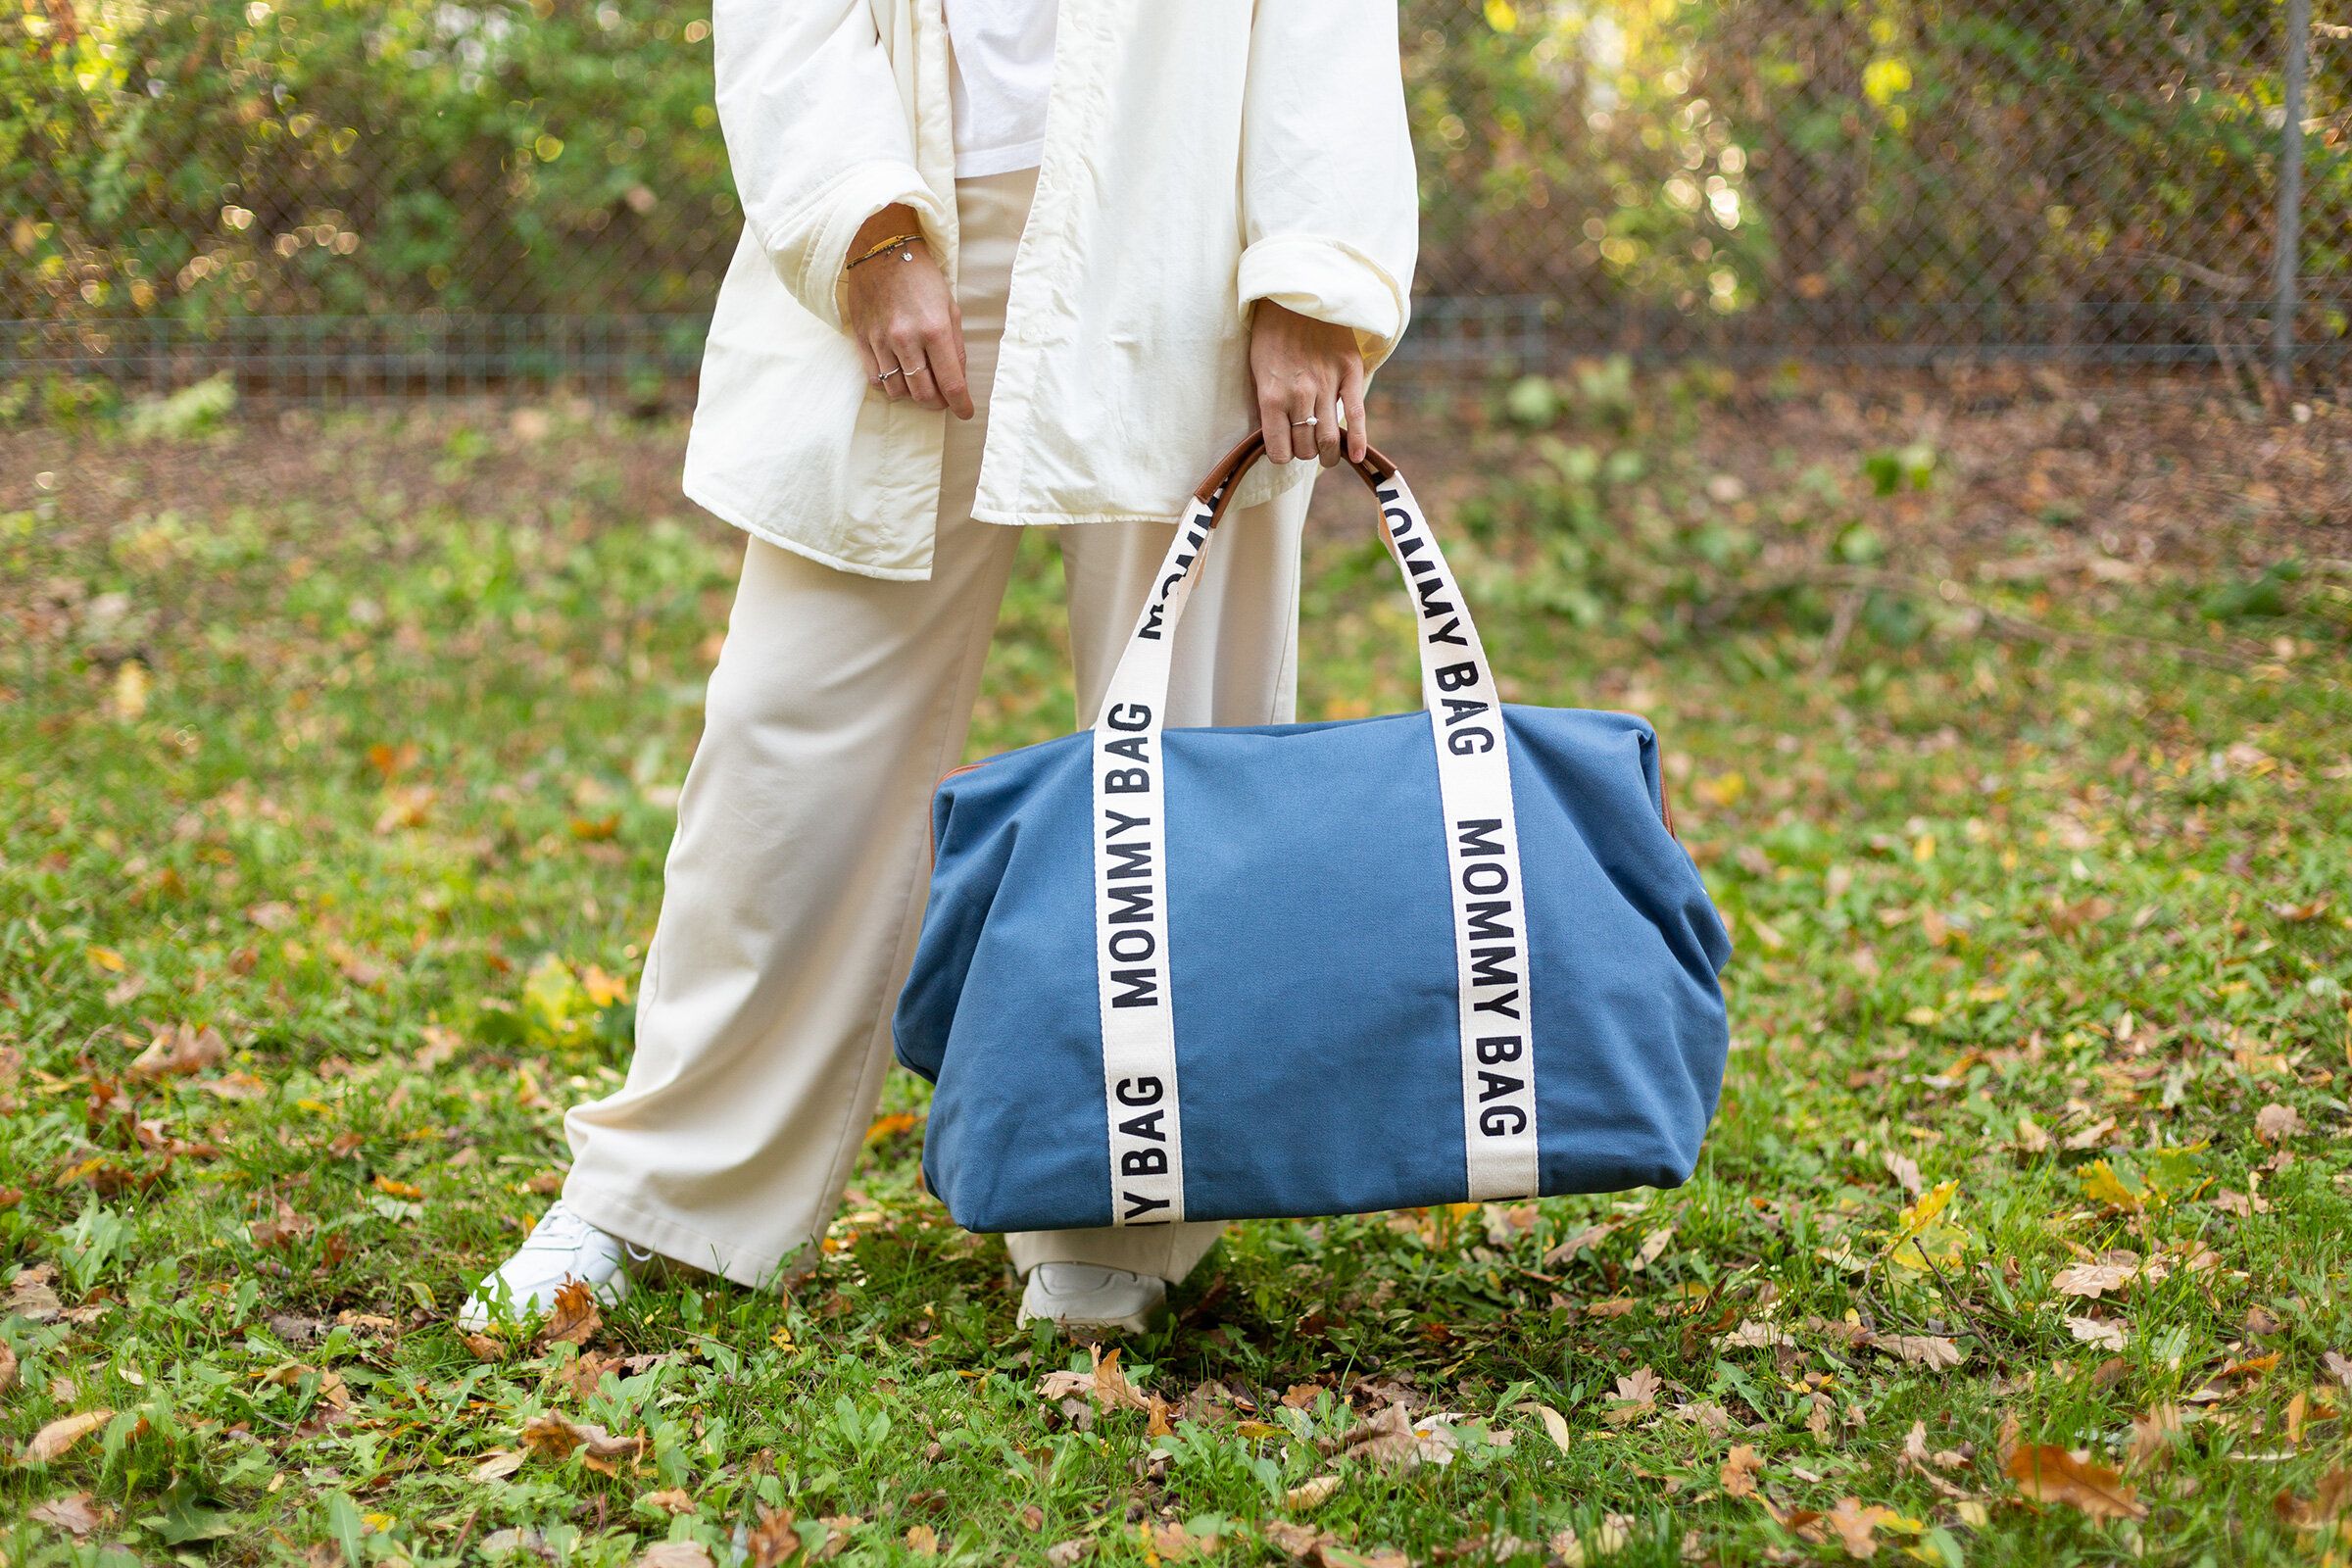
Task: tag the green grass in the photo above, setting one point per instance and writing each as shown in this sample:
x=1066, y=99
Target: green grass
x=2036, y=928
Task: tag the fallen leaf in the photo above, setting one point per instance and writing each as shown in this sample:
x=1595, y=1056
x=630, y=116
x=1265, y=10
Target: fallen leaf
x=2105, y=1333
x=1556, y=1425
x=499, y=1463
x=1857, y=1527
x=8, y=1367
x=573, y=1319
x=2275, y=1124
x=555, y=1435
x=1653, y=1246
x=1741, y=1467
x=1933, y=1351
x=31, y=1296
x=2151, y=1434
x=2092, y=1280
x=922, y=1540
x=1062, y=1553
x=1106, y=1384
x=179, y=1051
x=774, y=1538
x=2048, y=1473
x=1636, y=1397
x=54, y=1439
x=670, y=1501
x=1393, y=1440
x=77, y=1514
x=1589, y=1236
x=2338, y=1367
x=1312, y=1493
x=1905, y=1172
x=1175, y=1544
x=670, y=1555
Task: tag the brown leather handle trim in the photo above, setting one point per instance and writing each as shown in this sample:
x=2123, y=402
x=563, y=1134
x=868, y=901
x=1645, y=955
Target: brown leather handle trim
x=1217, y=490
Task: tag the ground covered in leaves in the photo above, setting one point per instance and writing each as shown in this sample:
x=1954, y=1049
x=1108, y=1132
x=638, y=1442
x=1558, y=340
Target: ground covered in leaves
x=338, y=757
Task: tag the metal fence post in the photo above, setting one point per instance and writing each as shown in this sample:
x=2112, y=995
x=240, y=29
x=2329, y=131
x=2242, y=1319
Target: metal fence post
x=2284, y=304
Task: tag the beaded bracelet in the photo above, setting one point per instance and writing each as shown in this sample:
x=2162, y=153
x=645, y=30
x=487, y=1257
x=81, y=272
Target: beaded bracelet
x=890, y=244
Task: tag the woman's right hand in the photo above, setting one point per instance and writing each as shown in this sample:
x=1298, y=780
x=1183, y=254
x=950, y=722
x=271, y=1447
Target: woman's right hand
x=905, y=319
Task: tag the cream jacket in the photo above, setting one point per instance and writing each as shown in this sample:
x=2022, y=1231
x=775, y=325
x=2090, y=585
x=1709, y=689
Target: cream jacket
x=1199, y=155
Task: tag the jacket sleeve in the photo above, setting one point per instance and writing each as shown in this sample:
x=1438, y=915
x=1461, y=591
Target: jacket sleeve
x=1330, y=210
x=815, y=135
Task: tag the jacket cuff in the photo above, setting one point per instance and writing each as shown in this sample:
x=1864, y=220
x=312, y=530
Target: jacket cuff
x=1330, y=280
x=830, y=220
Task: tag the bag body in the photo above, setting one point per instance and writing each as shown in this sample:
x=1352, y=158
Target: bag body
x=1312, y=968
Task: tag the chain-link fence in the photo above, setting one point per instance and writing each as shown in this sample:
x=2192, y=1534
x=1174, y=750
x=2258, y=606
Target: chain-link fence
x=337, y=197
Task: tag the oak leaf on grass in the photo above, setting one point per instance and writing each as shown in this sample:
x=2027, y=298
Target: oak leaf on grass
x=2048, y=1473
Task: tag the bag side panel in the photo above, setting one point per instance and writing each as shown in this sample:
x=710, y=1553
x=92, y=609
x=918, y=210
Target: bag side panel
x=1630, y=1020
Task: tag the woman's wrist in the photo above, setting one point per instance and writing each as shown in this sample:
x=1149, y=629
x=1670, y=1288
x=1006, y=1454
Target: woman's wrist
x=895, y=218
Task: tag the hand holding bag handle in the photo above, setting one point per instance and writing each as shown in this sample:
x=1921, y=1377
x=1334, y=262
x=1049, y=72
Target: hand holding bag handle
x=1465, y=713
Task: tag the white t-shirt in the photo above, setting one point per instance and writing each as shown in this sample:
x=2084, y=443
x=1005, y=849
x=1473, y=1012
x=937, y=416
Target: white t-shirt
x=1003, y=65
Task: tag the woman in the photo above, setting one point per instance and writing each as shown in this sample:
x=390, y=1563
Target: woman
x=999, y=265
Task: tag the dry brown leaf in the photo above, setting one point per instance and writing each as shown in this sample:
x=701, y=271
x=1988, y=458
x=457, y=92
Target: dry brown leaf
x=1589, y=1236
x=573, y=1319
x=2339, y=1367
x=1302, y=1396
x=177, y=1051
x=484, y=1347
x=2104, y=1332
x=1636, y=1397
x=2275, y=1124
x=8, y=1367
x=555, y=1435
x=31, y=1297
x=1803, y=1523
x=1312, y=1493
x=1555, y=1425
x=235, y=1085
x=1754, y=1333
x=1741, y=1467
x=283, y=1228
x=672, y=1500
x=2151, y=1434
x=54, y=1439
x=2093, y=1280
x=1930, y=1350
x=499, y=1463
x=2048, y=1473
x=1062, y=1553
x=922, y=1540
x=1857, y=1527
x=77, y=1514
x=1393, y=1440
x=673, y=1554
x=1106, y=1384
x=1905, y=1172
x=1653, y=1246
x=1290, y=1537
x=1175, y=1544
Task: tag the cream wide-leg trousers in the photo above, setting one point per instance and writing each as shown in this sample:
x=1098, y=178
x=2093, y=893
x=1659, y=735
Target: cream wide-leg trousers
x=795, y=887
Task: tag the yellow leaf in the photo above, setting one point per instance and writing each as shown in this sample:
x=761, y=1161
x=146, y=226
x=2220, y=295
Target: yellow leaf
x=132, y=686
x=108, y=959
x=2101, y=1184
x=1919, y=1217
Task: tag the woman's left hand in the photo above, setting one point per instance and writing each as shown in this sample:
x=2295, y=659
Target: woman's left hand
x=1305, y=370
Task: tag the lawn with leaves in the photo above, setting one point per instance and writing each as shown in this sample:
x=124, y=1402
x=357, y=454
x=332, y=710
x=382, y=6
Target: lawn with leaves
x=338, y=764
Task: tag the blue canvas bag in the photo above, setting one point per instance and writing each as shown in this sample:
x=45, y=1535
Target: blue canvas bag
x=1303, y=969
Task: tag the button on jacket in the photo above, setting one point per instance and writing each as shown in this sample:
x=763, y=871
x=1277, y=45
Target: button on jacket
x=1199, y=155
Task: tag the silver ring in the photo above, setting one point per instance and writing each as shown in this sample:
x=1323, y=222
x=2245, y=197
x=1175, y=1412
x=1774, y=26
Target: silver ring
x=1309, y=419
x=887, y=374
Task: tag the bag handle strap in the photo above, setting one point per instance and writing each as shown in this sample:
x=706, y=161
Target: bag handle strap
x=1143, y=1111
x=1457, y=685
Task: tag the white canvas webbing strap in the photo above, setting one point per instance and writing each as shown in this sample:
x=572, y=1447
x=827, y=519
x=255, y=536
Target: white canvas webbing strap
x=1482, y=849
x=1131, y=903
x=1482, y=854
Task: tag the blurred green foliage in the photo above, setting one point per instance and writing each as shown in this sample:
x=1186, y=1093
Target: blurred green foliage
x=1884, y=172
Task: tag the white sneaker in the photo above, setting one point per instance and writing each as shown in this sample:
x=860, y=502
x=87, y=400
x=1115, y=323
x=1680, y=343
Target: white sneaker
x=1086, y=1297
x=563, y=1247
